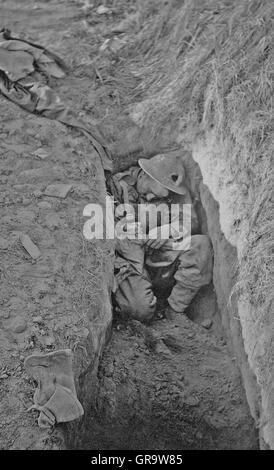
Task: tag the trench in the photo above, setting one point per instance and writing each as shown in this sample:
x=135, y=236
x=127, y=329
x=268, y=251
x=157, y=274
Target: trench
x=197, y=394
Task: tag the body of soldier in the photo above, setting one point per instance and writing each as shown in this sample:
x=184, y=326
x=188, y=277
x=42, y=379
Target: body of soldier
x=143, y=264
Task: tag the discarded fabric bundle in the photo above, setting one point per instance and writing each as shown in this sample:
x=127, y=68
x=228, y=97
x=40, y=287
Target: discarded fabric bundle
x=25, y=69
x=19, y=58
x=55, y=396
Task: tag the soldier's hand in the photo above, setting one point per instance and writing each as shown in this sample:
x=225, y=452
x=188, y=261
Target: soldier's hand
x=156, y=244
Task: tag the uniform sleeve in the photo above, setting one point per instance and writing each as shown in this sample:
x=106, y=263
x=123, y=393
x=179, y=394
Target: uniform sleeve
x=187, y=216
x=126, y=181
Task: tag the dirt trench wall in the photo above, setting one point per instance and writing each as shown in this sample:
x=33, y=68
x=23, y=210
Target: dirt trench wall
x=187, y=396
x=126, y=398
x=222, y=203
x=225, y=271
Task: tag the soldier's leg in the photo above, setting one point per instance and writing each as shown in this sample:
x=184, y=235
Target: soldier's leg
x=194, y=271
x=134, y=297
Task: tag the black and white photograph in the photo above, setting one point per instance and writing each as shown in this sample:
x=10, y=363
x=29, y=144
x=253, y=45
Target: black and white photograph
x=136, y=230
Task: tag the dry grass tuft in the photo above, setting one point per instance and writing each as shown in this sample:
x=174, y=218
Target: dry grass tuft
x=209, y=66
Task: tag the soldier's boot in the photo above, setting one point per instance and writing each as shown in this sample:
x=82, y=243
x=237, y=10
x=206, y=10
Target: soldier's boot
x=176, y=307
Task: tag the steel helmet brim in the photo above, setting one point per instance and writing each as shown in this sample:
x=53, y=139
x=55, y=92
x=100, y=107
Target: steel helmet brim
x=147, y=167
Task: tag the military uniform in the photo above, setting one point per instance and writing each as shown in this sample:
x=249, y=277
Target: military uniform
x=139, y=270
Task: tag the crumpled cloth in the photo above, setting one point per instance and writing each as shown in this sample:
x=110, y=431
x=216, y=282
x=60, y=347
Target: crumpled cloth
x=55, y=396
x=19, y=58
x=24, y=70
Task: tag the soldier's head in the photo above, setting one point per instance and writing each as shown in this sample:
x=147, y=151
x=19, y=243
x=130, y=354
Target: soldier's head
x=161, y=174
x=150, y=188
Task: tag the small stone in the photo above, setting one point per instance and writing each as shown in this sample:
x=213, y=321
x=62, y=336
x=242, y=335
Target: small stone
x=53, y=221
x=38, y=319
x=127, y=23
x=4, y=244
x=19, y=325
x=26, y=201
x=32, y=132
x=4, y=376
x=191, y=401
x=86, y=7
x=58, y=190
x=41, y=153
x=85, y=332
x=15, y=303
x=207, y=323
x=5, y=315
x=161, y=348
x=39, y=174
x=44, y=205
x=29, y=246
x=102, y=10
x=49, y=341
x=37, y=193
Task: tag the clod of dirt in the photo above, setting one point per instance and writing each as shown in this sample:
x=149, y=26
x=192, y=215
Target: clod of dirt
x=34, y=175
x=41, y=153
x=4, y=244
x=38, y=319
x=207, y=324
x=18, y=325
x=29, y=246
x=44, y=205
x=37, y=193
x=26, y=201
x=5, y=315
x=52, y=221
x=58, y=190
x=49, y=341
x=102, y=10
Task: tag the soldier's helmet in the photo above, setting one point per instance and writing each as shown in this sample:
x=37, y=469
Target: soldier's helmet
x=167, y=170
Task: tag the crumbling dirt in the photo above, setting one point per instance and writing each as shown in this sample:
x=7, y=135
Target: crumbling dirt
x=47, y=303
x=185, y=393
